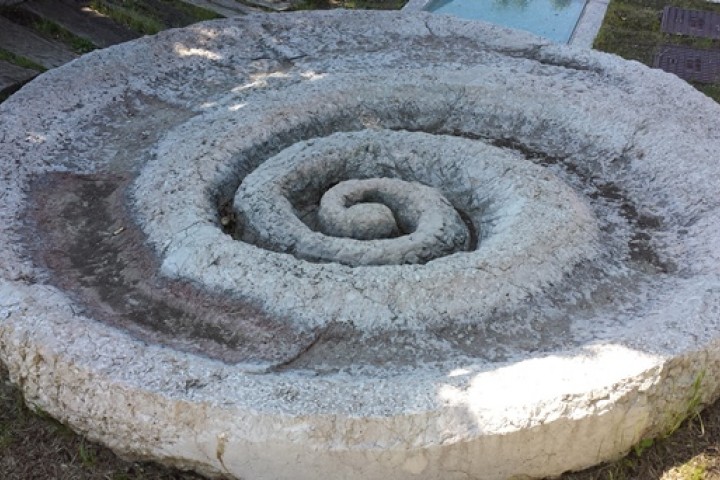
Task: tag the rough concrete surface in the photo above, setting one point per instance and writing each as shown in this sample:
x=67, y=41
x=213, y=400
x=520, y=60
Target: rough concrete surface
x=578, y=319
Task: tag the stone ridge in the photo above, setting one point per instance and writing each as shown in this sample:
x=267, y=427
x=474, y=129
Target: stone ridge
x=569, y=353
x=425, y=225
x=525, y=213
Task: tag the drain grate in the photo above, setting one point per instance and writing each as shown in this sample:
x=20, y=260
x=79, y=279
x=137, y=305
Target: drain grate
x=697, y=23
x=689, y=63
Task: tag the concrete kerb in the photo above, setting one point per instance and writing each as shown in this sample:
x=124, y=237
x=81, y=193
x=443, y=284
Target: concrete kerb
x=131, y=309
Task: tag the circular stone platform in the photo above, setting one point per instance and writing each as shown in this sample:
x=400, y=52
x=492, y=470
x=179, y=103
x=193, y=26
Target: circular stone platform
x=365, y=245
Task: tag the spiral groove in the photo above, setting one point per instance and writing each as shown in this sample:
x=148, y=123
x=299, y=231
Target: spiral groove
x=502, y=196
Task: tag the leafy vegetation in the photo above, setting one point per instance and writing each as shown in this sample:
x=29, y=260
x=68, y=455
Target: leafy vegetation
x=152, y=16
x=48, y=29
x=129, y=17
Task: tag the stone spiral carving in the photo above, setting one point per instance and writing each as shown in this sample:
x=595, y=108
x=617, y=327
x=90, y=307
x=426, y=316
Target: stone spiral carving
x=299, y=250
x=377, y=207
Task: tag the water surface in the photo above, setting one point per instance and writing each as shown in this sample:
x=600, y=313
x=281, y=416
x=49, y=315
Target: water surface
x=552, y=19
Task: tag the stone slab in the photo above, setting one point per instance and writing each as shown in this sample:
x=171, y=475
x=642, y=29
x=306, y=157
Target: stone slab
x=690, y=64
x=81, y=20
x=12, y=76
x=26, y=43
x=696, y=23
x=277, y=5
x=226, y=8
x=132, y=309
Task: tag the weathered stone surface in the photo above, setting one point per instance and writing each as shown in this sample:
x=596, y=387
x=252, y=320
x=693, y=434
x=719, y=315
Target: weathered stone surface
x=340, y=217
x=427, y=225
x=576, y=324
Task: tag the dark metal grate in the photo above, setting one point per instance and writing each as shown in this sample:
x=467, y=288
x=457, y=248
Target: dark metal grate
x=688, y=63
x=697, y=23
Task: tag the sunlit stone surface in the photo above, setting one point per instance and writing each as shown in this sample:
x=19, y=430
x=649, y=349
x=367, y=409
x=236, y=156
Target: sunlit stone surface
x=360, y=245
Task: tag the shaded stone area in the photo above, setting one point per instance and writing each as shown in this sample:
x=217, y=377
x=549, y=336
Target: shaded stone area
x=81, y=20
x=11, y=76
x=226, y=8
x=24, y=42
x=91, y=247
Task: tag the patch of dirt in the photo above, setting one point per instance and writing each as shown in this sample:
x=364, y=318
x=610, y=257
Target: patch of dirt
x=36, y=447
x=690, y=453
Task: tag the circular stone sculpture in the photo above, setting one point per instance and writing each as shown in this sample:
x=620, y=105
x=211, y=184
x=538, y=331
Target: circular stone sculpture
x=365, y=245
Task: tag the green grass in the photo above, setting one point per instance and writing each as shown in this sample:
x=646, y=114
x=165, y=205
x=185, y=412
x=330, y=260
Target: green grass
x=198, y=13
x=20, y=61
x=51, y=29
x=129, y=17
x=48, y=29
x=351, y=4
x=151, y=16
x=631, y=29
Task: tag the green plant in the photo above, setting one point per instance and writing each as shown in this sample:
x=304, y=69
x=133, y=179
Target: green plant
x=194, y=11
x=643, y=445
x=52, y=29
x=129, y=17
x=6, y=436
x=692, y=407
x=87, y=455
x=695, y=469
x=20, y=61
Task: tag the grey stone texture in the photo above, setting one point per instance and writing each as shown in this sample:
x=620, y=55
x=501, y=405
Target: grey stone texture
x=342, y=213
x=579, y=319
x=292, y=181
